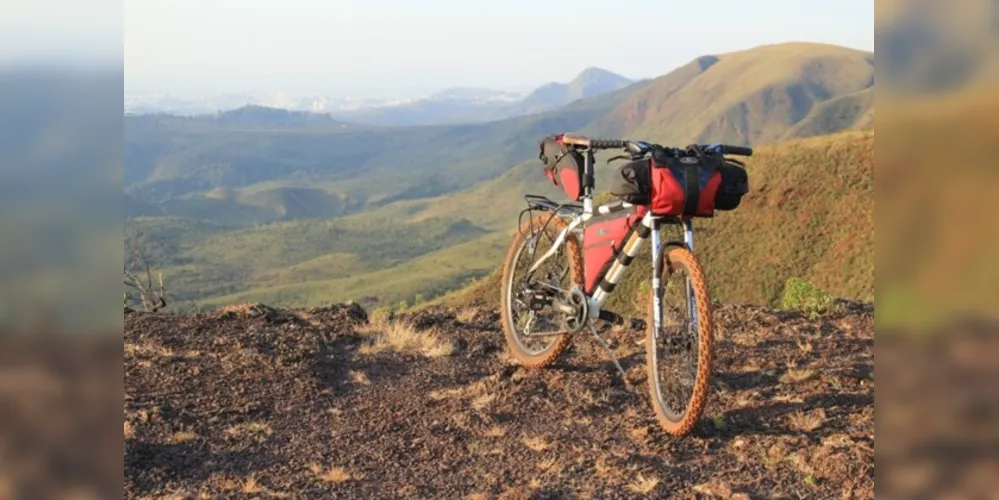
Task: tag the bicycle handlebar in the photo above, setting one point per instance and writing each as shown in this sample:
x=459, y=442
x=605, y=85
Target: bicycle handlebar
x=726, y=149
x=586, y=142
x=608, y=143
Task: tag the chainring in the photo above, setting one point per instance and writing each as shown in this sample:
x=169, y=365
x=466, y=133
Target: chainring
x=576, y=299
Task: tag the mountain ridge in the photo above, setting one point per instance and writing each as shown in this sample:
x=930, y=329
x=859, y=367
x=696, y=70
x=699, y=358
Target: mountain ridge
x=742, y=97
x=243, y=173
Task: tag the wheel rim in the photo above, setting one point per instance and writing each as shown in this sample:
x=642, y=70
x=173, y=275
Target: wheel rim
x=676, y=355
x=553, y=273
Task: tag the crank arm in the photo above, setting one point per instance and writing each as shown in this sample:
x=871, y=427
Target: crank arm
x=562, y=307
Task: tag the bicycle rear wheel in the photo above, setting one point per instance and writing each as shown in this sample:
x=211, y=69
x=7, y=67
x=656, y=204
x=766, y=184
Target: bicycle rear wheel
x=679, y=355
x=537, y=337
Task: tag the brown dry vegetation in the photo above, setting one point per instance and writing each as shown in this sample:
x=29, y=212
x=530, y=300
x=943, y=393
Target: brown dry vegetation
x=274, y=406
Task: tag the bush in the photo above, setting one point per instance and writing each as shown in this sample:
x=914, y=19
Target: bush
x=381, y=315
x=802, y=295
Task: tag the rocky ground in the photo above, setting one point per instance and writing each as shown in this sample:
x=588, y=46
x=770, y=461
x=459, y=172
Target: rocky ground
x=322, y=403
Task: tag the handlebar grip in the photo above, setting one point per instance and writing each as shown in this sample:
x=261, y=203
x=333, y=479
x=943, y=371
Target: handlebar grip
x=737, y=150
x=607, y=143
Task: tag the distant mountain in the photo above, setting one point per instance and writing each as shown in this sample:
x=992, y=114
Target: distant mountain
x=471, y=105
x=263, y=117
x=590, y=83
x=763, y=94
x=143, y=104
x=174, y=157
x=329, y=182
x=471, y=95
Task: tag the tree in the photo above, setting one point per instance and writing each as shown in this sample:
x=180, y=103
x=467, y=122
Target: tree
x=139, y=277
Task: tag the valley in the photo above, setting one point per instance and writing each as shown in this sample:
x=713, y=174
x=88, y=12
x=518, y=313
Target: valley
x=296, y=209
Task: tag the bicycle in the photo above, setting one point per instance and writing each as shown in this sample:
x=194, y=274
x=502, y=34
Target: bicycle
x=572, y=290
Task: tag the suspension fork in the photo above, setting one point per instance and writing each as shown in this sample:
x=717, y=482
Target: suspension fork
x=658, y=258
x=657, y=272
x=688, y=240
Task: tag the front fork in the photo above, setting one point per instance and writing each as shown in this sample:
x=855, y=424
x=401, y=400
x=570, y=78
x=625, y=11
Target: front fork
x=657, y=272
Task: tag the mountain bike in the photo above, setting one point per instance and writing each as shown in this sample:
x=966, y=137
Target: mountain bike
x=566, y=259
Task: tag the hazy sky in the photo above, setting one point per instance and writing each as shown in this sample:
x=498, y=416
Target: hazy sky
x=60, y=31
x=379, y=47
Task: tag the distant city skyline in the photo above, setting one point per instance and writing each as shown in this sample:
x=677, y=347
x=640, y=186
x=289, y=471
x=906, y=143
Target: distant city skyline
x=397, y=48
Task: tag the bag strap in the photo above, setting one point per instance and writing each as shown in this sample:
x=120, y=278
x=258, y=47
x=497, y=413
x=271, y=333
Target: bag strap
x=693, y=190
x=692, y=174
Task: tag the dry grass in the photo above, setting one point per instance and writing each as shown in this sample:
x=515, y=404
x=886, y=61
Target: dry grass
x=603, y=468
x=359, y=377
x=448, y=393
x=251, y=486
x=150, y=349
x=495, y=431
x=401, y=336
x=183, y=437
x=714, y=488
x=807, y=422
x=477, y=496
x=334, y=474
x=805, y=347
x=796, y=376
x=643, y=485
x=249, y=429
x=639, y=434
x=482, y=402
x=537, y=444
x=477, y=390
x=551, y=466
x=224, y=482
x=467, y=315
x=129, y=432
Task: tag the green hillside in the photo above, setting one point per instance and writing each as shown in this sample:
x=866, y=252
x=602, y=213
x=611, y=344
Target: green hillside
x=424, y=277
x=201, y=260
x=810, y=214
x=748, y=97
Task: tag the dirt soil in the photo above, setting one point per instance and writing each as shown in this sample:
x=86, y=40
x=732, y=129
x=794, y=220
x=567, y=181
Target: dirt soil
x=262, y=402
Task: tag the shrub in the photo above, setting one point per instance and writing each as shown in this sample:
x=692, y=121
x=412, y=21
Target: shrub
x=802, y=295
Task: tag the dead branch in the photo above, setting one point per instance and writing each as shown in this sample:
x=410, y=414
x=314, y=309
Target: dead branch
x=139, y=277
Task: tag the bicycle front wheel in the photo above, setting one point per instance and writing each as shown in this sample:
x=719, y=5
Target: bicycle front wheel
x=679, y=354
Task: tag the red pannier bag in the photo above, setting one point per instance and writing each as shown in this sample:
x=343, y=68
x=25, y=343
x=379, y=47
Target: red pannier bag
x=563, y=166
x=602, y=238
